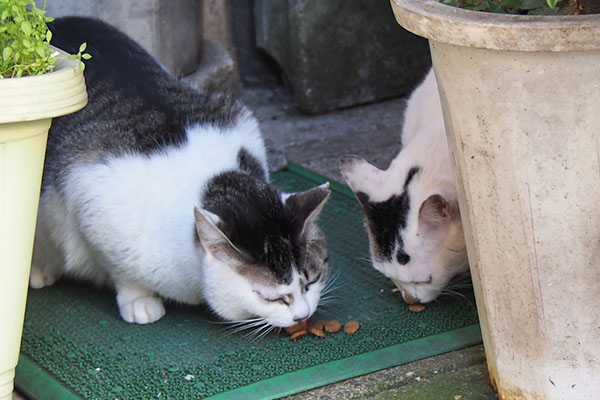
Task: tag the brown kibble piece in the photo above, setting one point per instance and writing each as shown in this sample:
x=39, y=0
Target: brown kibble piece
x=351, y=327
x=316, y=329
x=416, y=307
x=319, y=323
x=298, y=334
x=295, y=328
x=332, y=326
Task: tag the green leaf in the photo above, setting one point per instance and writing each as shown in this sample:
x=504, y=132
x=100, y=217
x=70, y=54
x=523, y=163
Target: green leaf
x=86, y=56
x=26, y=43
x=6, y=53
x=41, y=50
x=26, y=27
x=82, y=47
x=48, y=35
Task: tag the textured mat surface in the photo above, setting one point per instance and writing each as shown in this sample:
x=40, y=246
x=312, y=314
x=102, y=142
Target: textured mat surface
x=76, y=346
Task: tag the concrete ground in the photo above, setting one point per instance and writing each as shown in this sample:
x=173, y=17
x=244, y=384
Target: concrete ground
x=318, y=142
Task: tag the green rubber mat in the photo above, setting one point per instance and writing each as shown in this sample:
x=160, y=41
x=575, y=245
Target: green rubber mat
x=76, y=346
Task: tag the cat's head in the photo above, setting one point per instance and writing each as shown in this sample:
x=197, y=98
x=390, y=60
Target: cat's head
x=415, y=232
x=266, y=261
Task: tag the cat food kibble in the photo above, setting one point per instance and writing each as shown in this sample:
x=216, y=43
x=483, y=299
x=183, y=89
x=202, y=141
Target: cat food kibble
x=316, y=329
x=351, y=327
x=416, y=307
x=298, y=334
x=295, y=328
x=332, y=326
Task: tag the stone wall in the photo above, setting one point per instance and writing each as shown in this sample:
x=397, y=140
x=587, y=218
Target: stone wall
x=339, y=53
x=170, y=30
x=332, y=54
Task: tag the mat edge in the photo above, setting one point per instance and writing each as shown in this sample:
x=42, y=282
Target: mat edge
x=302, y=380
x=36, y=383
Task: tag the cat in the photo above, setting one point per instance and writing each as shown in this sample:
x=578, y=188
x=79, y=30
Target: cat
x=161, y=191
x=411, y=209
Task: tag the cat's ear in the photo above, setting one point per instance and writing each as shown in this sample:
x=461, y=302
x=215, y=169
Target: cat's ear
x=363, y=178
x=435, y=211
x=307, y=205
x=213, y=240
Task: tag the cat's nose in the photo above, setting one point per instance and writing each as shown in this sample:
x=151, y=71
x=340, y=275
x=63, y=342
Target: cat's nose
x=408, y=298
x=301, y=318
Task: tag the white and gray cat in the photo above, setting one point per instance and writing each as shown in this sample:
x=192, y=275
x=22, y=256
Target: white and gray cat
x=412, y=216
x=161, y=191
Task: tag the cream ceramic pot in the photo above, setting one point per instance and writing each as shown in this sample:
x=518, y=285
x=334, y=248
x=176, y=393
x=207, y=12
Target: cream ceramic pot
x=27, y=105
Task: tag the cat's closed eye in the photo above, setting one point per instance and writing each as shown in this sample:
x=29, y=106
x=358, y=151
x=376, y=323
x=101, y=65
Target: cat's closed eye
x=312, y=282
x=282, y=299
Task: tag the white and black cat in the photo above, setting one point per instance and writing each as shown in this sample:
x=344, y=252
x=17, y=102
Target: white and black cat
x=412, y=216
x=161, y=191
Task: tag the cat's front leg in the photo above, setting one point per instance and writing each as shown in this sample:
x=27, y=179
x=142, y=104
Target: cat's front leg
x=138, y=305
x=41, y=276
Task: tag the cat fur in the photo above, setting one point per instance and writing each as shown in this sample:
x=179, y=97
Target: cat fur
x=411, y=209
x=161, y=191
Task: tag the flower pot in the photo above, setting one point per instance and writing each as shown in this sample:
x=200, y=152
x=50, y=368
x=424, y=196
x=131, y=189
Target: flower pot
x=27, y=105
x=520, y=98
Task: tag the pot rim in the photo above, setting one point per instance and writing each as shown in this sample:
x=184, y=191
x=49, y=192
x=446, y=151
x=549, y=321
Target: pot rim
x=49, y=95
x=443, y=23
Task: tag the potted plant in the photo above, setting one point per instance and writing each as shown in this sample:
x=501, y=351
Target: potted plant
x=520, y=96
x=37, y=83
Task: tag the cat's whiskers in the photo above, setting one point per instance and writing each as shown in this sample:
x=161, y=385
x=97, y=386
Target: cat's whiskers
x=259, y=332
x=265, y=332
x=328, y=302
x=460, y=281
x=454, y=251
x=237, y=322
x=330, y=283
x=454, y=293
x=366, y=259
x=239, y=326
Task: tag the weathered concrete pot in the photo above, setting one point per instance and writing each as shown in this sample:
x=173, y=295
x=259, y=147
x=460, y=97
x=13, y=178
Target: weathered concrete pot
x=27, y=106
x=520, y=97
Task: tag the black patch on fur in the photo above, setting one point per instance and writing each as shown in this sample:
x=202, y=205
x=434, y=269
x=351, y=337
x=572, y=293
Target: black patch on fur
x=134, y=105
x=256, y=221
x=250, y=164
x=409, y=177
x=385, y=220
x=401, y=256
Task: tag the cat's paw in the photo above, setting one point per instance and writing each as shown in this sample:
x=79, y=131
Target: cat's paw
x=40, y=277
x=142, y=310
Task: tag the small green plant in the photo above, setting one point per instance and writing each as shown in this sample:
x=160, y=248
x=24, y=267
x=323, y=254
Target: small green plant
x=24, y=40
x=530, y=7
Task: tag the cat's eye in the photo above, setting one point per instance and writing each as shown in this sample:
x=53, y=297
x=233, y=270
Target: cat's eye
x=281, y=300
x=315, y=280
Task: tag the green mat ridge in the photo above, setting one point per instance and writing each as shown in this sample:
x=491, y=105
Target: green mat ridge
x=76, y=346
